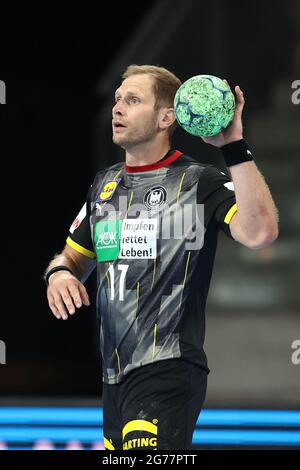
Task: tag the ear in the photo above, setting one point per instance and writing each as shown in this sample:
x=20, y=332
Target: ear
x=166, y=118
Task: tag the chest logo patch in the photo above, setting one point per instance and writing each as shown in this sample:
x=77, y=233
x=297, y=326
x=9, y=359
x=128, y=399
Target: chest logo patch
x=108, y=191
x=139, y=239
x=155, y=197
x=107, y=240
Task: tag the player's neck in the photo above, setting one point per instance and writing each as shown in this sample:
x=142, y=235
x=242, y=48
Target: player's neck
x=146, y=154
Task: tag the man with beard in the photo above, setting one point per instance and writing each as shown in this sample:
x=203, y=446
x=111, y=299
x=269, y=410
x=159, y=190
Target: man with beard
x=152, y=287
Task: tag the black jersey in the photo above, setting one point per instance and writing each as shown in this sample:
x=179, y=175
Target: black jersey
x=153, y=230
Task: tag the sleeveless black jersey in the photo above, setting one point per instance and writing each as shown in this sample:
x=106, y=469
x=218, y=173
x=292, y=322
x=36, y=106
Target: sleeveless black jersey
x=153, y=230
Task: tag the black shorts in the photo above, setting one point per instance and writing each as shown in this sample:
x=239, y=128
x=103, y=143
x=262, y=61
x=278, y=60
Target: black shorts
x=155, y=407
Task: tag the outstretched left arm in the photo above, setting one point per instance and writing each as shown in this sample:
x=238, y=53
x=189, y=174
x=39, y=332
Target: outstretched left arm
x=255, y=224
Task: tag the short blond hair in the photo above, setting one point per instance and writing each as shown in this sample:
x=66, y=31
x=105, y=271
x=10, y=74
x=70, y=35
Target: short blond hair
x=165, y=85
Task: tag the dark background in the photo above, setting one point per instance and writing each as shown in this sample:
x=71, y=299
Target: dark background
x=60, y=70
x=51, y=62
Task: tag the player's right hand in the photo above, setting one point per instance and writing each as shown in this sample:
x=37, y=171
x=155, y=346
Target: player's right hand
x=64, y=293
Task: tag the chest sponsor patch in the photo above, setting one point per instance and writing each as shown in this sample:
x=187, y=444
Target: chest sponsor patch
x=108, y=190
x=125, y=239
x=107, y=240
x=138, y=239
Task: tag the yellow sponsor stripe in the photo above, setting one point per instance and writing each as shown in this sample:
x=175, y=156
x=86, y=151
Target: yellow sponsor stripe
x=139, y=425
x=107, y=277
x=80, y=248
x=154, y=341
x=186, y=268
x=154, y=271
x=131, y=196
x=118, y=358
x=179, y=190
x=185, y=275
x=230, y=214
x=108, y=445
x=137, y=298
x=117, y=174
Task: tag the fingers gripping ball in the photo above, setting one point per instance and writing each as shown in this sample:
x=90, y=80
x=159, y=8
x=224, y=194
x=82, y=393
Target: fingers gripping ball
x=204, y=105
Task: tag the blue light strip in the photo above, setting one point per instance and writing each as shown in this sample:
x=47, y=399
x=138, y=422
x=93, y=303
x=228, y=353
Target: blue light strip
x=28, y=434
x=20, y=425
x=94, y=417
x=231, y=417
x=289, y=438
x=78, y=416
x=19, y=448
x=61, y=435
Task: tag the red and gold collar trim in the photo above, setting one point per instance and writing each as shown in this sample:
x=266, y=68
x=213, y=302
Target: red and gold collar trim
x=154, y=166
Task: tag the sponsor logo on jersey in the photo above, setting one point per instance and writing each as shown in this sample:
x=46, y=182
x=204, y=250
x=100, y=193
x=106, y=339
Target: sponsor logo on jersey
x=155, y=197
x=139, y=239
x=108, y=190
x=135, y=429
x=125, y=239
x=76, y=223
x=140, y=442
x=107, y=240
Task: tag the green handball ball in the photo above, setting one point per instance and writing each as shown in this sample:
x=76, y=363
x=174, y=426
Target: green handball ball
x=204, y=105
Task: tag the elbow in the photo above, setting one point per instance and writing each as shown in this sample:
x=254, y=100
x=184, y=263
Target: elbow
x=264, y=239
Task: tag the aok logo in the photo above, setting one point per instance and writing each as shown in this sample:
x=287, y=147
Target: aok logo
x=107, y=239
x=2, y=352
x=2, y=92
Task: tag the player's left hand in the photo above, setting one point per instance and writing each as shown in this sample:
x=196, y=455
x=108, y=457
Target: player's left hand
x=235, y=129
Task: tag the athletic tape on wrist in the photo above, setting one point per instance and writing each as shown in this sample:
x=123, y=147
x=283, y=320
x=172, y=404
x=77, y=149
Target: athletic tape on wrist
x=54, y=270
x=237, y=152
